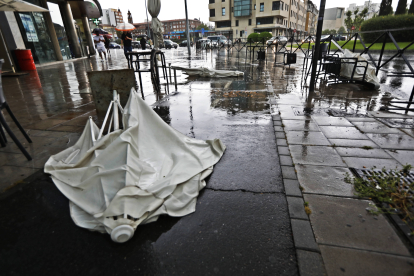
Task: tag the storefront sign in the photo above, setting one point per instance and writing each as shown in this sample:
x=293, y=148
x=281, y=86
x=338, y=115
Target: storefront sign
x=29, y=28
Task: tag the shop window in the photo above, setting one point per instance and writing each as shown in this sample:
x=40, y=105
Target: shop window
x=212, y=12
x=261, y=7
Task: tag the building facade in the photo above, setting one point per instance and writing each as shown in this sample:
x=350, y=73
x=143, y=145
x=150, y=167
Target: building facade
x=172, y=28
x=239, y=18
x=373, y=9
x=61, y=32
x=334, y=18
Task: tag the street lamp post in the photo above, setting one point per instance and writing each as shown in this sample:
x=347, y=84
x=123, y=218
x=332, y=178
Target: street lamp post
x=186, y=28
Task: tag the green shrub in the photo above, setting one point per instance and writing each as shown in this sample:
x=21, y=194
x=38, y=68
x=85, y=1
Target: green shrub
x=263, y=36
x=253, y=37
x=389, y=22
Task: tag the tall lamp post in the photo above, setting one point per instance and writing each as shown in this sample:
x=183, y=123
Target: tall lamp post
x=186, y=28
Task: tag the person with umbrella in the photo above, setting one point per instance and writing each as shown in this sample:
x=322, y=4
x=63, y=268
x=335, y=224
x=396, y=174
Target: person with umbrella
x=99, y=43
x=126, y=36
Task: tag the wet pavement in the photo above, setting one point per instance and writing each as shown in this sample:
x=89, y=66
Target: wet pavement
x=250, y=218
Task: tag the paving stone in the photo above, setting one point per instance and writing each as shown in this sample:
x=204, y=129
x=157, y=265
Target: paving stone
x=324, y=180
x=296, y=208
x=278, y=129
x=306, y=138
x=281, y=142
x=376, y=127
x=286, y=160
x=409, y=131
x=303, y=235
x=280, y=135
x=331, y=121
x=302, y=125
x=310, y=263
x=276, y=117
x=345, y=222
x=334, y=132
x=392, y=141
x=361, y=119
x=283, y=150
x=294, y=117
x=347, y=262
x=292, y=187
x=361, y=163
x=277, y=123
x=382, y=114
x=288, y=172
x=286, y=110
x=359, y=152
x=315, y=155
x=352, y=143
x=402, y=156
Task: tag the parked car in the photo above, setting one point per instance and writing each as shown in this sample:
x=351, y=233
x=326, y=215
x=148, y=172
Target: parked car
x=184, y=43
x=168, y=44
x=339, y=38
x=137, y=45
x=271, y=41
x=219, y=40
x=281, y=40
x=113, y=45
x=205, y=43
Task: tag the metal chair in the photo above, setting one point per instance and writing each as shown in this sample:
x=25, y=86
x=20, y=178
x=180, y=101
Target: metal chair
x=3, y=123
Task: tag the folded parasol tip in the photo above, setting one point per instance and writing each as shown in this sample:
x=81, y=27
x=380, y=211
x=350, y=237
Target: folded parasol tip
x=122, y=233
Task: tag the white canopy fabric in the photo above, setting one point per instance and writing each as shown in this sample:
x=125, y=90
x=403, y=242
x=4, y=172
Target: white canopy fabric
x=208, y=72
x=347, y=68
x=20, y=6
x=132, y=176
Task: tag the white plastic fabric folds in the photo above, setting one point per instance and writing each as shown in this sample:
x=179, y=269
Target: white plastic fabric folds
x=133, y=175
x=208, y=72
x=347, y=68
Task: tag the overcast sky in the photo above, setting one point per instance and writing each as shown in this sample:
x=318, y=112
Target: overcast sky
x=174, y=9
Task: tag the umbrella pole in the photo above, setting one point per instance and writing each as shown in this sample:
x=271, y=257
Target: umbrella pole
x=146, y=10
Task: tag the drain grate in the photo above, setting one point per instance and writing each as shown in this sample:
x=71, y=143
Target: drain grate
x=368, y=174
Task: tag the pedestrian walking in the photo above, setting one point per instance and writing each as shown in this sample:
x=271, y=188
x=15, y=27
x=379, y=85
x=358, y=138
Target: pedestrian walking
x=143, y=42
x=126, y=41
x=100, y=44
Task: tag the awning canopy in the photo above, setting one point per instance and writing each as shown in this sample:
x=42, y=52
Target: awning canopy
x=20, y=6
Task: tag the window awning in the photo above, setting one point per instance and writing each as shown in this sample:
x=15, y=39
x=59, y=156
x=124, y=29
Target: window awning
x=20, y=6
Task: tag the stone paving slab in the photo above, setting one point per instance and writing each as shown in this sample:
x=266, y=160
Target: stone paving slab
x=392, y=141
x=288, y=172
x=346, y=261
x=303, y=235
x=369, y=163
x=375, y=127
x=310, y=263
x=292, y=187
x=334, y=132
x=345, y=222
x=361, y=119
x=402, y=156
x=306, y=138
x=324, y=180
x=382, y=114
x=281, y=142
x=296, y=208
x=315, y=155
x=331, y=121
x=12, y=174
x=300, y=125
x=359, y=152
x=286, y=160
x=283, y=150
x=352, y=143
x=409, y=131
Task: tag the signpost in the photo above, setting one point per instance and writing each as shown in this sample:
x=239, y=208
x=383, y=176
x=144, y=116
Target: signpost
x=353, y=28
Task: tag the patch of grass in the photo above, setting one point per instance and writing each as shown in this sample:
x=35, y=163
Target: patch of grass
x=301, y=188
x=308, y=211
x=334, y=146
x=282, y=125
x=407, y=168
x=367, y=148
x=306, y=204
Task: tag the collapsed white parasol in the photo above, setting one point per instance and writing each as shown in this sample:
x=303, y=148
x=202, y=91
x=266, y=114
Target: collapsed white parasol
x=208, y=72
x=132, y=176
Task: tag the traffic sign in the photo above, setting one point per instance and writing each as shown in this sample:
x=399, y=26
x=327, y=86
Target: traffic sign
x=294, y=30
x=353, y=28
x=202, y=31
